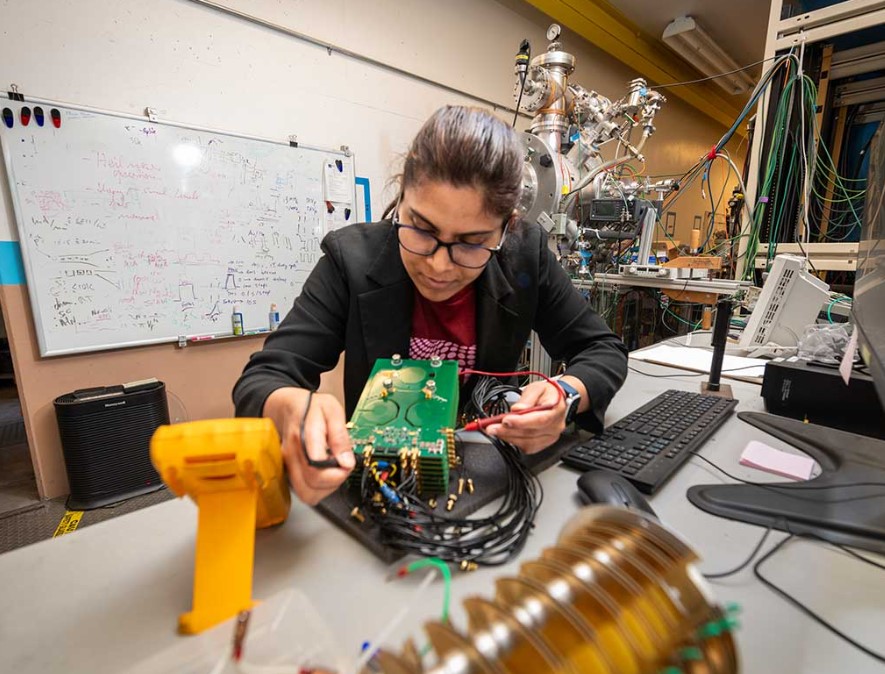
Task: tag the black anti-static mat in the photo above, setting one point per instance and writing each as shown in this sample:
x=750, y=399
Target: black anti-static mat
x=481, y=462
x=843, y=505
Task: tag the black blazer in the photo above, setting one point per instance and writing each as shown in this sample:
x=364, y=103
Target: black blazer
x=359, y=299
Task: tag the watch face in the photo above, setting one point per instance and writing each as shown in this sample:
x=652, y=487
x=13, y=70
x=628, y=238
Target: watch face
x=572, y=400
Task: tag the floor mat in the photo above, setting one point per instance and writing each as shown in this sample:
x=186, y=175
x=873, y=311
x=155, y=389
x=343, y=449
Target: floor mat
x=18, y=487
x=38, y=521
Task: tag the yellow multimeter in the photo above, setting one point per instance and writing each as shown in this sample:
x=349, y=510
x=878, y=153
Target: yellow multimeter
x=233, y=470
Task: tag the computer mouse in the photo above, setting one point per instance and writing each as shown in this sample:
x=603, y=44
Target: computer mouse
x=603, y=486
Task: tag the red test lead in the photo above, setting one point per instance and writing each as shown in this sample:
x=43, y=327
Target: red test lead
x=480, y=424
x=240, y=628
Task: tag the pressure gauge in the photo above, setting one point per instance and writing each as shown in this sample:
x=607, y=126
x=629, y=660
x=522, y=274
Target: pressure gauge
x=553, y=32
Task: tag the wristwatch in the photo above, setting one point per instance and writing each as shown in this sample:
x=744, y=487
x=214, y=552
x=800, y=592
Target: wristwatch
x=572, y=400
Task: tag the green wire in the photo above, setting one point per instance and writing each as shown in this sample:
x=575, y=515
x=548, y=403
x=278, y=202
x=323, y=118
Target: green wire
x=693, y=326
x=779, y=217
x=768, y=179
x=758, y=210
x=833, y=302
x=446, y=574
x=825, y=156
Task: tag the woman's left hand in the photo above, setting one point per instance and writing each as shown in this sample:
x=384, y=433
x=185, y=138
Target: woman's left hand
x=533, y=431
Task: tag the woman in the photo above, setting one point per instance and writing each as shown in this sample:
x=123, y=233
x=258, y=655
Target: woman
x=452, y=273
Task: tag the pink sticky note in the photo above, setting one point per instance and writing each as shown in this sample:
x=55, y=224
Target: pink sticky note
x=771, y=460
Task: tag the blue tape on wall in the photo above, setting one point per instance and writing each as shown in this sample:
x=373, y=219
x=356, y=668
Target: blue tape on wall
x=12, y=272
x=367, y=197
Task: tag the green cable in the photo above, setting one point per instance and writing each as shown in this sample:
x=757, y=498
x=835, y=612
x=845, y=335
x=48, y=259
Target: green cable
x=811, y=89
x=446, y=574
x=834, y=302
x=758, y=209
x=693, y=326
x=777, y=148
x=768, y=179
x=778, y=219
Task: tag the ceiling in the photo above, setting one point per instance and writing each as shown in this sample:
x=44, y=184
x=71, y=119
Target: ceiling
x=738, y=25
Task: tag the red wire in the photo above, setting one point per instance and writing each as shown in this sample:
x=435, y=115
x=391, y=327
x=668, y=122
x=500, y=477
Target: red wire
x=479, y=424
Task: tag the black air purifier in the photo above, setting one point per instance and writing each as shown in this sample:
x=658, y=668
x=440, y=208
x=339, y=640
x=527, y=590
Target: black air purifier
x=105, y=436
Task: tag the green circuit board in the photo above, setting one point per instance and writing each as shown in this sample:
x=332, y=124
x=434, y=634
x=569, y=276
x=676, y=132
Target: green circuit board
x=407, y=415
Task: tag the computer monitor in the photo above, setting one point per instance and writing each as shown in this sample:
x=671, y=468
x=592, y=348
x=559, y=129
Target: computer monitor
x=845, y=504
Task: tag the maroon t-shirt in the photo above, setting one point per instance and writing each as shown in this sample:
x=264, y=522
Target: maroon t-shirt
x=445, y=329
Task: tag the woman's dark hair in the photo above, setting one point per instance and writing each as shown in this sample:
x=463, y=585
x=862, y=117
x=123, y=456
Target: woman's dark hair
x=467, y=147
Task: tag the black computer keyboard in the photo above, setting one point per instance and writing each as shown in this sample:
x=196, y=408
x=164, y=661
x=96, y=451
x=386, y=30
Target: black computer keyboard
x=650, y=444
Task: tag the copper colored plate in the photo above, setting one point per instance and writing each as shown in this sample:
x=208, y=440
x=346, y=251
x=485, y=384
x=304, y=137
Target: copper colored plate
x=450, y=645
x=589, y=570
x=561, y=627
x=387, y=662
x=636, y=523
x=671, y=567
x=645, y=639
x=648, y=567
x=670, y=577
x=519, y=650
x=612, y=635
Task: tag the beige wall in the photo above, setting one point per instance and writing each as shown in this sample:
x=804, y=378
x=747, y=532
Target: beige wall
x=197, y=66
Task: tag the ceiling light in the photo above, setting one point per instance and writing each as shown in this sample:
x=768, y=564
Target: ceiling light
x=694, y=44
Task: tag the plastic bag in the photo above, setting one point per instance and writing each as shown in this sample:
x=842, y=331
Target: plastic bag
x=824, y=342
x=286, y=635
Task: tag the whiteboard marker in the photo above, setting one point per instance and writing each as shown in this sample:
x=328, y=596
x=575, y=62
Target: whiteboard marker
x=274, y=317
x=237, y=321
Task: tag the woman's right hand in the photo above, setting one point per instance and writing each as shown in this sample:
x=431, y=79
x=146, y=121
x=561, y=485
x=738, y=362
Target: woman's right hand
x=324, y=427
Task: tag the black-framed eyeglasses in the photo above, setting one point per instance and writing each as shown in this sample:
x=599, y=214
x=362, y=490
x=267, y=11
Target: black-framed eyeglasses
x=422, y=242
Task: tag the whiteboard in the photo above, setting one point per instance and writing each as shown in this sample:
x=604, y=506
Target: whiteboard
x=136, y=232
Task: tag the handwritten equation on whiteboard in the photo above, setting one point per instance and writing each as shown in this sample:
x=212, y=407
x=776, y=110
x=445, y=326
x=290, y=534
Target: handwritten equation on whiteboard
x=135, y=232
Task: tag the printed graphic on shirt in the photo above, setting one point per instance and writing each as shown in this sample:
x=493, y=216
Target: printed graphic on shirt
x=423, y=349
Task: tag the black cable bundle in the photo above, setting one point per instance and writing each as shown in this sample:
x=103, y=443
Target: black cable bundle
x=409, y=524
